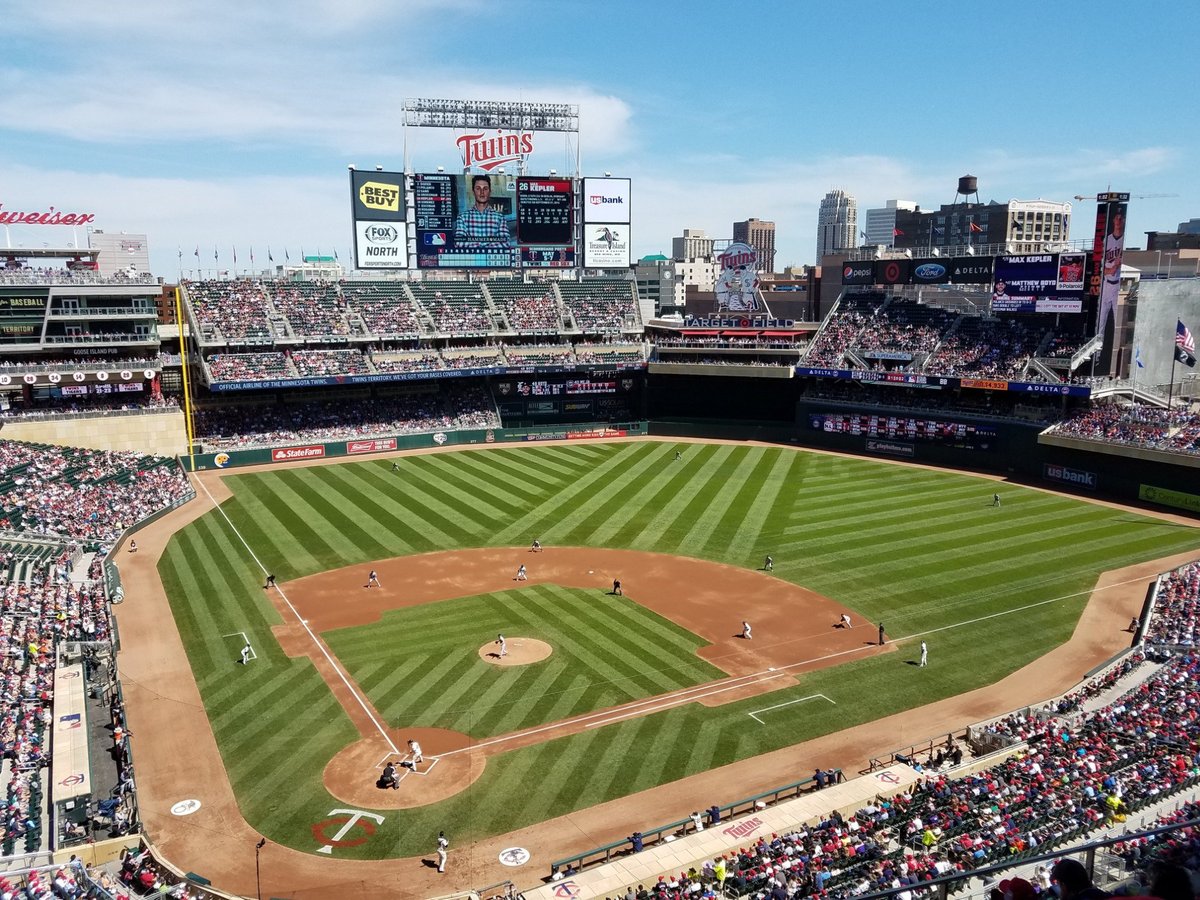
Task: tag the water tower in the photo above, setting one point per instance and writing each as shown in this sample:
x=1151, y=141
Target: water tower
x=968, y=187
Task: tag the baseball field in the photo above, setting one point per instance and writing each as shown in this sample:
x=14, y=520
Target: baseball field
x=337, y=665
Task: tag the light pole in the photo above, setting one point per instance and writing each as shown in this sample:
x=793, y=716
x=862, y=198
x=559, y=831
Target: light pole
x=257, y=879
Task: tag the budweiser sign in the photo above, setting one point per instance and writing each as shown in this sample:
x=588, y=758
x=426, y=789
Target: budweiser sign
x=486, y=153
x=50, y=217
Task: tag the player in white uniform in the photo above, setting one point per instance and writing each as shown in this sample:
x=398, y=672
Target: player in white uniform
x=1114, y=246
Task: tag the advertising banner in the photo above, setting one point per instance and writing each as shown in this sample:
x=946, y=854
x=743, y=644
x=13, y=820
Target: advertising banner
x=1077, y=477
x=606, y=200
x=380, y=445
x=860, y=272
x=971, y=270
x=930, y=271
x=377, y=196
x=606, y=246
x=291, y=454
x=465, y=221
x=1071, y=272
x=892, y=271
x=380, y=245
x=1030, y=283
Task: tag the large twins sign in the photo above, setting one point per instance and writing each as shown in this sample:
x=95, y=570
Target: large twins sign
x=482, y=152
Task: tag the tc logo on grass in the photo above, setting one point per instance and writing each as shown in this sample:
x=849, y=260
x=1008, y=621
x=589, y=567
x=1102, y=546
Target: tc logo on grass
x=348, y=819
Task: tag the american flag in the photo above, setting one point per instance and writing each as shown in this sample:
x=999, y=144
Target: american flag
x=1183, y=337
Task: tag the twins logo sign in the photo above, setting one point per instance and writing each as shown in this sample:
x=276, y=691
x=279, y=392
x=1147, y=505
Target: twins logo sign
x=349, y=820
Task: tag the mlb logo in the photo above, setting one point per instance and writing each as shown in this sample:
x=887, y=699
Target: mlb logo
x=435, y=239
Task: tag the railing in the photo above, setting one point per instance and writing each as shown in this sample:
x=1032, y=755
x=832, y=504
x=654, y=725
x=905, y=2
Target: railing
x=70, y=365
x=659, y=833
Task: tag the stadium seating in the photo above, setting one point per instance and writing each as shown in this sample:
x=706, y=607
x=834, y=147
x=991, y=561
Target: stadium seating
x=311, y=308
x=262, y=366
x=386, y=308
x=529, y=308
x=316, y=363
x=232, y=311
x=456, y=308
x=601, y=305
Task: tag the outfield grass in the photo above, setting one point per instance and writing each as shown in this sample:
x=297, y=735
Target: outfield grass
x=918, y=549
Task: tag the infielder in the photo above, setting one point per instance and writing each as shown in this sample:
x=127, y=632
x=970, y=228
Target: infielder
x=521, y=575
x=246, y=654
x=373, y=580
x=746, y=630
x=503, y=646
x=537, y=547
x=846, y=621
x=442, y=844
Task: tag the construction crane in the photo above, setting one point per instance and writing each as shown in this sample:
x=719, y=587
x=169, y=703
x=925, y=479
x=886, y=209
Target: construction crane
x=1131, y=196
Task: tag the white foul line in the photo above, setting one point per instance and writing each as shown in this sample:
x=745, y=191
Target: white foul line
x=755, y=717
x=304, y=623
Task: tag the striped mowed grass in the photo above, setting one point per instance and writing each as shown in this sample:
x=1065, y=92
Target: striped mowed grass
x=918, y=549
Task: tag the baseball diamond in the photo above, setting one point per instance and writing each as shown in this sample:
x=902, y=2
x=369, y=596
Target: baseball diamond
x=645, y=692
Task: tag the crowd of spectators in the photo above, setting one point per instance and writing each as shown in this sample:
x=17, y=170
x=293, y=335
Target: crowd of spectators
x=257, y=425
x=986, y=348
x=1175, y=616
x=92, y=405
x=80, y=494
x=1065, y=783
x=600, y=306
x=842, y=328
x=57, y=275
x=904, y=327
x=236, y=309
x=483, y=358
x=312, y=308
x=262, y=366
x=535, y=355
x=80, y=363
x=421, y=361
x=318, y=363
x=457, y=309
x=610, y=354
x=533, y=311
x=1174, y=430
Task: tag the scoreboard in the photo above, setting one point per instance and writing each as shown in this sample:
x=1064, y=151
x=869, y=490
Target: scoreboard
x=493, y=222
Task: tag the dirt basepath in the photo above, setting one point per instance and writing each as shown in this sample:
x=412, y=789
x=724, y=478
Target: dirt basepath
x=179, y=759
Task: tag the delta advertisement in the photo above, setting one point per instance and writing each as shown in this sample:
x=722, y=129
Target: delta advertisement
x=1030, y=283
x=929, y=270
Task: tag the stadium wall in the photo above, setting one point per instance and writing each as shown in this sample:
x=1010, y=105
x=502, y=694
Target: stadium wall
x=771, y=410
x=161, y=433
x=226, y=459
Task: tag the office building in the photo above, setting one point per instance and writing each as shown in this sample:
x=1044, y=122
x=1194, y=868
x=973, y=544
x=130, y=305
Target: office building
x=761, y=236
x=880, y=223
x=837, y=223
x=694, y=244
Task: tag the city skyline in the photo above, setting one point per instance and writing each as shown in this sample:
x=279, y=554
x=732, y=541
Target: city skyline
x=210, y=137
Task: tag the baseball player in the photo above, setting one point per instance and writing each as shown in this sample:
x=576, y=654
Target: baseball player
x=617, y=592
x=1114, y=249
x=415, y=749
x=537, y=547
x=442, y=845
x=246, y=653
x=373, y=580
x=746, y=631
x=924, y=655
x=521, y=574
x=846, y=621
x=503, y=646
x=395, y=467
x=270, y=581
x=769, y=564
x=995, y=499
x=133, y=546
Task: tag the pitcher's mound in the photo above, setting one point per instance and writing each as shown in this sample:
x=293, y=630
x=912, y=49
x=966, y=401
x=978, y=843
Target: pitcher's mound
x=519, y=652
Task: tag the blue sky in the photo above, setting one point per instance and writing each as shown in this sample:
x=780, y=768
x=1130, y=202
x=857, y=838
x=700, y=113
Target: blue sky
x=231, y=124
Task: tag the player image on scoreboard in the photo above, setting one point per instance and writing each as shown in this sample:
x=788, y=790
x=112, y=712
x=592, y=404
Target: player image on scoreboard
x=465, y=221
x=737, y=285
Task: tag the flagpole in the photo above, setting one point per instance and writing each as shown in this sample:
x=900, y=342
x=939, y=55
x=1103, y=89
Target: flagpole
x=1171, y=385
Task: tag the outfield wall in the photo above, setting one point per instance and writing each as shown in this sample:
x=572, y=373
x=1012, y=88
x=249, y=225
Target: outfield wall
x=227, y=459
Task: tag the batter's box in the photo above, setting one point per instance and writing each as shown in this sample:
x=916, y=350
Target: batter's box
x=754, y=715
x=406, y=766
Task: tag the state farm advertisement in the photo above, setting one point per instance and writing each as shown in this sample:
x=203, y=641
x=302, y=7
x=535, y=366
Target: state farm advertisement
x=291, y=454
x=377, y=446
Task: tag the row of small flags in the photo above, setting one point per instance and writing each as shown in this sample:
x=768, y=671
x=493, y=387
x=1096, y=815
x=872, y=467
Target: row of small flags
x=287, y=257
x=1185, y=347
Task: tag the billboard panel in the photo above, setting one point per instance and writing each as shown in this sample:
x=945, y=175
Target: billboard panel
x=606, y=246
x=606, y=200
x=930, y=271
x=380, y=245
x=377, y=207
x=971, y=270
x=377, y=196
x=861, y=272
x=1114, y=250
x=892, y=271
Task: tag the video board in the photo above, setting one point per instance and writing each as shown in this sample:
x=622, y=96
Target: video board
x=493, y=221
x=1038, y=282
